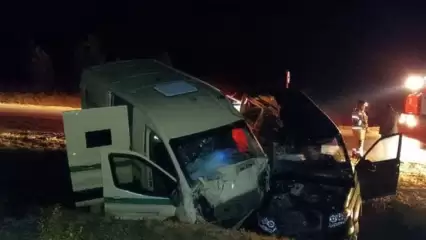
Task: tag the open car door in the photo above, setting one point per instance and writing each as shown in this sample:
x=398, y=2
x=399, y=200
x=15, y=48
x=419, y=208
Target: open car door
x=88, y=131
x=135, y=187
x=378, y=169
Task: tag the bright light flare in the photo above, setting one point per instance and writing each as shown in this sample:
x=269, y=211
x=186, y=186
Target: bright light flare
x=402, y=118
x=387, y=148
x=15, y=106
x=414, y=83
x=411, y=151
x=409, y=120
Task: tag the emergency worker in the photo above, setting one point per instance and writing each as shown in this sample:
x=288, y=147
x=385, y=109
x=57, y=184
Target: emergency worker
x=360, y=125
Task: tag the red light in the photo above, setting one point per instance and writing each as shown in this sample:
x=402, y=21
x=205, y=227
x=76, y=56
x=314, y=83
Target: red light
x=240, y=139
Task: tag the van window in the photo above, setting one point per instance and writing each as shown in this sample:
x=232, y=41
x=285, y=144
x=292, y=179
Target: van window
x=98, y=138
x=158, y=153
x=135, y=175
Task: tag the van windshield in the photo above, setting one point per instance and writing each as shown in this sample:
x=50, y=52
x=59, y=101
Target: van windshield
x=201, y=154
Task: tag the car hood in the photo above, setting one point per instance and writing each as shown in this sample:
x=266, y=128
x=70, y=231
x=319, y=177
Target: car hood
x=301, y=113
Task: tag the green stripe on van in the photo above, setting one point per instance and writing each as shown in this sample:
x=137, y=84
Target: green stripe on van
x=141, y=201
x=83, y=168
x=97, y=166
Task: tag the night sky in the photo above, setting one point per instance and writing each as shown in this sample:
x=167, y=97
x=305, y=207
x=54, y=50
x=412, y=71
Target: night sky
x=332, y=49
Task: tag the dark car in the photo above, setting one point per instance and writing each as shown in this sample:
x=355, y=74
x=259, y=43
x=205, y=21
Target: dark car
x=316, y=190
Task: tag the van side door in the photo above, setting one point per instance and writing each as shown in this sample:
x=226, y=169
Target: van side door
x=130, y=193
x=88, y=131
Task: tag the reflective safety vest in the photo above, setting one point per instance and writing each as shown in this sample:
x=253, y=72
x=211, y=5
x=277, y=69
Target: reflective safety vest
x=359, y=119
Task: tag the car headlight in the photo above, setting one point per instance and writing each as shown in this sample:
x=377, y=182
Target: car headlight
x=338, y=219
x=266, y=224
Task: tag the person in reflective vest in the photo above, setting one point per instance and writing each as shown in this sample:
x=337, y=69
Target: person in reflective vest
x=360, y=125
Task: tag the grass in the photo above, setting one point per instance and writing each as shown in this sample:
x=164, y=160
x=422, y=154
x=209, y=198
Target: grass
x=58, y=224
x=32, y=140
x=46, y=99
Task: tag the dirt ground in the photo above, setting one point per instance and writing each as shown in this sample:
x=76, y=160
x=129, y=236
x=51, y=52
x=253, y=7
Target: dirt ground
x=399, y=217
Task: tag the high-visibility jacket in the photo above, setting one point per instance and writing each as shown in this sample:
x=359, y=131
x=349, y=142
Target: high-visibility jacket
x=359, y=119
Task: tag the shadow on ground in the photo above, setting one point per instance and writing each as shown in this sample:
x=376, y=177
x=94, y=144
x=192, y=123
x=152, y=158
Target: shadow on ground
x=29, y=178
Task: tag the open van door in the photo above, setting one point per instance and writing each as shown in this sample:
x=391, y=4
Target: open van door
x=86, y=132
x=378, y=169
x=135, y=187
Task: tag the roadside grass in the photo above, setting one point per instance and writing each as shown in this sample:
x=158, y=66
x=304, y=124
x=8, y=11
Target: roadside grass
x=60, y=224
x=31, y=140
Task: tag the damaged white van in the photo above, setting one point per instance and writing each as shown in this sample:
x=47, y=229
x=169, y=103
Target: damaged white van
x=153, y=142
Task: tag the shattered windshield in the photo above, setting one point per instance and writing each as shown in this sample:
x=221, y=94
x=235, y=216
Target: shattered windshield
x=201, y=154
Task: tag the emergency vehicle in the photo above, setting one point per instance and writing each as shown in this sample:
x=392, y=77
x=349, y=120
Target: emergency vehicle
x=412, y=121
x=154, y=142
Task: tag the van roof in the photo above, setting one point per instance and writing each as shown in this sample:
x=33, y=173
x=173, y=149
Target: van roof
x=180, y=115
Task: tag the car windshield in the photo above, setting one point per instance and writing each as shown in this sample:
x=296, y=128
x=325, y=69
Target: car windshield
x=201, y=154
x=312, y=150
x=308, y=130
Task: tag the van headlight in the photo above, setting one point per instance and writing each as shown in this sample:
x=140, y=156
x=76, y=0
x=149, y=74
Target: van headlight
x=338, y=219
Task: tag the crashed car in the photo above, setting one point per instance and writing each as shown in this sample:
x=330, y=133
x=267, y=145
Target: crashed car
x=316, y=190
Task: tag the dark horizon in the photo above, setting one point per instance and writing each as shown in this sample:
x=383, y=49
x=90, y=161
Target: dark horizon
x=330, y=48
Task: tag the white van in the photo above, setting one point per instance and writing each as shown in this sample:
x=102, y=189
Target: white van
x=153, y=142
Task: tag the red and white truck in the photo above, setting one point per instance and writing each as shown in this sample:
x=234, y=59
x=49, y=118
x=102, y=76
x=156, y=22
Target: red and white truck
x=412, y=120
